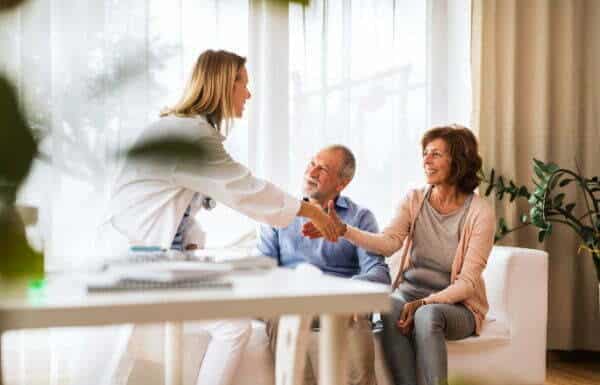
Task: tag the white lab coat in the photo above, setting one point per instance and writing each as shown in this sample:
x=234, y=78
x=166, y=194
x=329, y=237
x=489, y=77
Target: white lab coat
x=148, y=198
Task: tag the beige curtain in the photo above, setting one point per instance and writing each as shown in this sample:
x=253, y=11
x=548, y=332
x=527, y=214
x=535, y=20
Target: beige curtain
x=536, y=89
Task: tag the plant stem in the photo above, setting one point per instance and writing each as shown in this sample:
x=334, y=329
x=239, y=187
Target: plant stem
x=587, y=192
x=516, y=228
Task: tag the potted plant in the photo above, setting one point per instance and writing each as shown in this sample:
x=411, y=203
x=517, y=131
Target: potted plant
x=549, y=205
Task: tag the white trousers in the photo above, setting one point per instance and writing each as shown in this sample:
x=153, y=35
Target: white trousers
x=228, y=340
x=144, y=343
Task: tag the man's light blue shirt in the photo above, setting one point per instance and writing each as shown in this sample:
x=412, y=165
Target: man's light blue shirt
x=340, y=258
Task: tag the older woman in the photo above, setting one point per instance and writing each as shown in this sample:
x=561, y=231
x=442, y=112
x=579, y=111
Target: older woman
x=446, y=234
x=155, y=203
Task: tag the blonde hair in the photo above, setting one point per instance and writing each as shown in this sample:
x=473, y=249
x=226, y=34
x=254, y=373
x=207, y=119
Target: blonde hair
x=208, y=91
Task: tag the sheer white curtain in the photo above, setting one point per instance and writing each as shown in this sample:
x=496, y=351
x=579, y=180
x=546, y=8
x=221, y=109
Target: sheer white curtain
x=372, y=75
x=91, y=74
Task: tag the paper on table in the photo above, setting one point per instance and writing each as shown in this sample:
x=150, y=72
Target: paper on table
x=238, y=258
x=169, y=271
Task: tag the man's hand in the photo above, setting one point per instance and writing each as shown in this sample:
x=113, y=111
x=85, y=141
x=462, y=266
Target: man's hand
x=407, y=318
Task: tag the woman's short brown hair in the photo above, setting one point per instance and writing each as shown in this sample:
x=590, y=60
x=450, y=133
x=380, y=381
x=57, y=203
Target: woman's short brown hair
x=464, y=154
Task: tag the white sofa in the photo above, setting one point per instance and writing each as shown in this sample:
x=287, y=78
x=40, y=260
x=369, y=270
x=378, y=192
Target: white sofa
x=512, y=346
x=510, y=350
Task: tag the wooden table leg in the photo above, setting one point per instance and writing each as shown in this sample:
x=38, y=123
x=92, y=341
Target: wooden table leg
x=293, y=336
x=173, y=353
x=332, y=349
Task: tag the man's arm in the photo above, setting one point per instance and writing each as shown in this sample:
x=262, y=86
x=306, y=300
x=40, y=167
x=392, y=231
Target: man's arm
x=372, y=266
x=268, y=242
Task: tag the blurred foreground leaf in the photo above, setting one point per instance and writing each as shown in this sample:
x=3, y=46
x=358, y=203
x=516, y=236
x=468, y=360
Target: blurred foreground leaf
x=7, y=4
x=17, y=145
x=169, y=148
x=18, y=259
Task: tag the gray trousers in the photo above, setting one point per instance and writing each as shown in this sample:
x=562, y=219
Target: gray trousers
x=361, y=353
x=433, y=324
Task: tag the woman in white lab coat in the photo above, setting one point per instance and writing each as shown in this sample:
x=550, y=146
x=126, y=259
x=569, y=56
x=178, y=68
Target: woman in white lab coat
x=154, y=203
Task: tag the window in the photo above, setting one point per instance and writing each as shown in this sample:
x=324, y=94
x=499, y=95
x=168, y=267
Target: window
x=369, y=74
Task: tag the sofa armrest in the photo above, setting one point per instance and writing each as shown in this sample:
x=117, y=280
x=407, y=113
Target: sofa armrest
x=517, y=287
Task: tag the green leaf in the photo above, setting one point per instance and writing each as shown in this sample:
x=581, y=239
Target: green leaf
x=548, y=229
x=17, y=145
x=533, y=199
x=524, y=192
x=169, y=148
x=539, y=192
x=536, y=217
x=7, y=4
x=588, y=235
x=18, y=260
x=488, y=191
x=558, y=200
x=538, y=163
x=541, y=173
x=502, y=225
x=554, y=181
x=551, y=168
x=500, y=188
x=565, y=182
x=501, y=183
x=541, y=235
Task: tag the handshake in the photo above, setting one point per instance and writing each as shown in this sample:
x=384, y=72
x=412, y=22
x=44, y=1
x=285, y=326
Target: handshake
x=327, y=224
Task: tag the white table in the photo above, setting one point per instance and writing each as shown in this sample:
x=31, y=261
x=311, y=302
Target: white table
x=64, y=302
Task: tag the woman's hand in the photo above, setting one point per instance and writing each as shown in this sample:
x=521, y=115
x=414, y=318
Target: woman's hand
x=407, y=318
x=325, y=225
x=320, y=221
x=311, y=231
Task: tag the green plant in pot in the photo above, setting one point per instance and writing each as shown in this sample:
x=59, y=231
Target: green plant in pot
x=549, y=205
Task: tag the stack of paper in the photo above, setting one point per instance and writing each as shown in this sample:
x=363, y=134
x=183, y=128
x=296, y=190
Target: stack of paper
x=154, y=268
x=169, y=271
x=160, y=275
x=238, y=259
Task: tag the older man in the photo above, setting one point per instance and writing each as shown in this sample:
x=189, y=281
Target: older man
x=326, y=176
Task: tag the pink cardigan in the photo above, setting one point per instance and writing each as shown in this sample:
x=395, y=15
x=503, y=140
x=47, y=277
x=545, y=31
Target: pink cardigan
x=474, y=247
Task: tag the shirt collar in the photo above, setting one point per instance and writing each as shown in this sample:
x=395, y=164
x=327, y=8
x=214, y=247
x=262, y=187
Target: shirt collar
x=340, y=201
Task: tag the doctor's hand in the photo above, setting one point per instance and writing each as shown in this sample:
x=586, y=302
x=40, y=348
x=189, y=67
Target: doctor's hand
x=311, y=231
x=320, y=221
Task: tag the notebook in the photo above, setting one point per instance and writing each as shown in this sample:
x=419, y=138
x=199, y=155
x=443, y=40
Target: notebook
x=228, y=258
x=144, y=285
x=146, y=269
